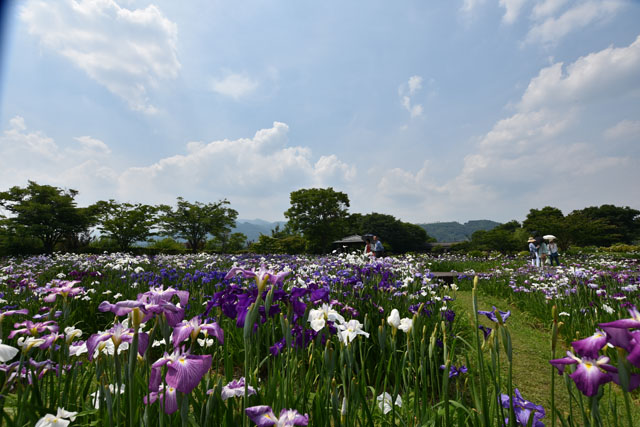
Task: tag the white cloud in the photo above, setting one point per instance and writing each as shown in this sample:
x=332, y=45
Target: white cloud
x=512, y=9
x=626, y=129
x=546, y=8
x=583, y=14
x=89, y=144
x=414, y=84
x=234, y=85
x=127, y=51
x=256, y=174
x=550, y=151
x=607, y=73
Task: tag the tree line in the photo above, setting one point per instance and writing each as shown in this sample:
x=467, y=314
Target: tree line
x=44, y=218
x=602, y=226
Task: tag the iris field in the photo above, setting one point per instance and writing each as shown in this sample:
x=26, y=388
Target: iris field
x=341, y=340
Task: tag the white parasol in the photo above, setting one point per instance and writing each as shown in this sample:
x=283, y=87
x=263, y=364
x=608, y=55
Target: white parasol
x=549, y=237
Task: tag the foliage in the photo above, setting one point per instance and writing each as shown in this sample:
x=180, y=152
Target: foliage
x=167, y=245
x=287, y=244
x=193, y=222
x=506, y=238
x=230, y=243
x=125, y=223
x=396, y=236
x=319, y=214
x=624, y=223
x=45, y=212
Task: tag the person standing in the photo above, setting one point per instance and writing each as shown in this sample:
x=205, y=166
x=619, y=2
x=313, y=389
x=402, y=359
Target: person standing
x=553, y=252
x=378, y=249
x=533, y=252
x=544, y=253
x=367, y=248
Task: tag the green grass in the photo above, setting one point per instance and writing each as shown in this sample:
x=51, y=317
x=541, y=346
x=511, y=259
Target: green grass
x=531, y=350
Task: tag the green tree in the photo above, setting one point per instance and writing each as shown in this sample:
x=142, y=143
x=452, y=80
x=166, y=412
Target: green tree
x=548, y=220
x=44, y=212
x=231, y=243
x=396, y=235
x=624, y=222
x=193, y=222
x=505, y=238
x=125, y=223
x=319, y=214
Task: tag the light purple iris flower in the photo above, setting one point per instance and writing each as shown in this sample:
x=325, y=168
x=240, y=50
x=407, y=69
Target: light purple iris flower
x=166, y=395
x=33, y=328
x=184, y=370
x=158, y=301
x=632, y=322
x=12, y=312
x=261, y=276
x=523, y=409
x=64, y=288
x=235, y=389
x=263, y=416
x=118, y=334
x=589, y=374
x=590, y=347
x=491, y=315
x=193, y=327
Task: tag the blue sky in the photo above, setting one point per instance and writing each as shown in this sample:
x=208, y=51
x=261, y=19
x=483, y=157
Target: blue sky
x=425, y=110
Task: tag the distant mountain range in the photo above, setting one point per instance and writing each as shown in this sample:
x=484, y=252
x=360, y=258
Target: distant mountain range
x=441, y=231
x=252, y=228
x=456, y=232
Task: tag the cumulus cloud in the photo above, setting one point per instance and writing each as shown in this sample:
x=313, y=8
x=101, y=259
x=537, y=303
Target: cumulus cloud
x=549, y=151
x=607, y=73
x=81, y=164
x=128, y=51
x=256, y=174
x=234, y=85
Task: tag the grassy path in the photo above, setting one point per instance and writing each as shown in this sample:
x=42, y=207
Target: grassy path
x=531, y=350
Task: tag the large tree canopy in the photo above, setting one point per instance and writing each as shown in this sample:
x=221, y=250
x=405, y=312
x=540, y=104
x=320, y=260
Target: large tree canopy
x=396, y=236
x=45, y=212
x=319, y=214
x=125, y=223
x=193, y=222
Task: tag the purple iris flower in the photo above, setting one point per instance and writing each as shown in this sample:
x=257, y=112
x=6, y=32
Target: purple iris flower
x=263, y=416
x=454, y=372
x=235, y=389
x=33, y=328
x=158, y=301
x=193, y=327
x=589, y=374
x=632, y=322
x=184, y=370
x=523, y=409
x=64, y=288
x=166, y=395
x=261, y=276
x=12, y=312
x=118, y=334
x=491, y=315
x=591, y=346
x=485, y=331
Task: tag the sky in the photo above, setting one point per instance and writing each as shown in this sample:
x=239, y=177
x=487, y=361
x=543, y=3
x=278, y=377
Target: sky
x=440, y=110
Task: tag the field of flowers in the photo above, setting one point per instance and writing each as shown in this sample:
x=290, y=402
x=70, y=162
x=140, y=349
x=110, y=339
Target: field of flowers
x=281, y=340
